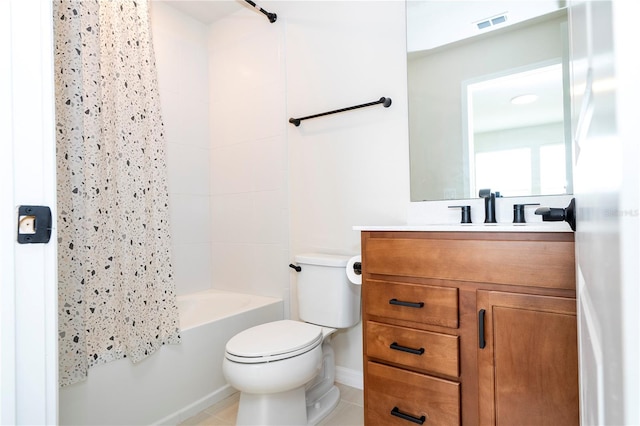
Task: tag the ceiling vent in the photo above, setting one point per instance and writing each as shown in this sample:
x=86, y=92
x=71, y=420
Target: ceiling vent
x=492, y=21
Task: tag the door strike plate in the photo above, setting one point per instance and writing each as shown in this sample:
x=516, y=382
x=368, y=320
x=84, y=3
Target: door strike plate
x=34, y=224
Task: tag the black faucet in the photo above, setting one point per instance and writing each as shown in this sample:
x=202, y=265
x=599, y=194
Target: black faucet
x=489, y=205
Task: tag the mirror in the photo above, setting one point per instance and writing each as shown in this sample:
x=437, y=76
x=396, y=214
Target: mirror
x=488, y=98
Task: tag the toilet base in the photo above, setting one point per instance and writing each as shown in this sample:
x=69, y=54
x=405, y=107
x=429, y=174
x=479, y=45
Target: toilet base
x=285, y=408
x=323, y=406
x=273, y=409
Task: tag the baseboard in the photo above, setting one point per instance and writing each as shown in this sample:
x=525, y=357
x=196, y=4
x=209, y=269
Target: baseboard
x=197, y=406
x=349, y=377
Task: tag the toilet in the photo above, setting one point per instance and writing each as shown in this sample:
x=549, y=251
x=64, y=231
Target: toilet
x=285, y=369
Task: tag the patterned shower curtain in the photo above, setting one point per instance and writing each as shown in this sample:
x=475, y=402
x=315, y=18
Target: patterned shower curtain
x=116, y=291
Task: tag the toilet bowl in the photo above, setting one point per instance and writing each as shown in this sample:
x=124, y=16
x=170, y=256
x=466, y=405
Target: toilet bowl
x=273, y=366
x=285, y=370
x=273, y=357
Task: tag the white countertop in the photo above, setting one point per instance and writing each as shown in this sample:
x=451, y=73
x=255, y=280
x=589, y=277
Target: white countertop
x=437, y=216
x=473, y=227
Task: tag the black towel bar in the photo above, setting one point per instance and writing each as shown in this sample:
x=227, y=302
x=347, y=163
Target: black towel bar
x=386, y=102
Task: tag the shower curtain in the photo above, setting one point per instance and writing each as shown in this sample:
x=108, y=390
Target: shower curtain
x=116, y=290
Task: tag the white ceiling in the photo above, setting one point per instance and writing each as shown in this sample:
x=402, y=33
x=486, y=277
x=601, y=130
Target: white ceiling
x=433, y=23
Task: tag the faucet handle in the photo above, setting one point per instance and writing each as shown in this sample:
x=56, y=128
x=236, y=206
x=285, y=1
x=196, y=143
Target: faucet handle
x=466, y=213
x=518, y=212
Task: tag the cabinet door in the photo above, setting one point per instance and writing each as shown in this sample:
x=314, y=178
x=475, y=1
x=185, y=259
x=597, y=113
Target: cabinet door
x=528, y=367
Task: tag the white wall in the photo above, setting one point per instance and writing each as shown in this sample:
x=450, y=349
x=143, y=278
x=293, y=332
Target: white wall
x=350, y=168
x=180, y=44
x=279, y=190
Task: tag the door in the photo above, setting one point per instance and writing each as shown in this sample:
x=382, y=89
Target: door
x=606, y=88
x=28, y=287
x=528, y=364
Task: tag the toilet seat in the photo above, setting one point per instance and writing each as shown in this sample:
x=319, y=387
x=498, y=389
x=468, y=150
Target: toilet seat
x=273, y=341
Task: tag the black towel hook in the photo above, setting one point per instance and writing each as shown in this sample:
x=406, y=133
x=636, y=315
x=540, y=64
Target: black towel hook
x=272, y=16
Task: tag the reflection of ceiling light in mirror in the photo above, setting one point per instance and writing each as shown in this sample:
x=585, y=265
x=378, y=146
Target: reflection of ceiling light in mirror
x=524, y=99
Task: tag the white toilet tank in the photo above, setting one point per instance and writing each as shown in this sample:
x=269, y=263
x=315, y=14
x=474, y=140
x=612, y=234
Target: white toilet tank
x=325, y=295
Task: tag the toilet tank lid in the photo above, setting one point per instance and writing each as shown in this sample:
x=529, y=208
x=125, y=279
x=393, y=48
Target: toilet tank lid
x=321, y=259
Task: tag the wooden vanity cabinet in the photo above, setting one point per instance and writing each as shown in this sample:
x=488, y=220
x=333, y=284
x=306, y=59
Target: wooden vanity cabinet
x=469, y=328
x=528, y=370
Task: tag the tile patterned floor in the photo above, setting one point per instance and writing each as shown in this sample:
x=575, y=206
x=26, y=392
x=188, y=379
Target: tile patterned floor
x=349, y=411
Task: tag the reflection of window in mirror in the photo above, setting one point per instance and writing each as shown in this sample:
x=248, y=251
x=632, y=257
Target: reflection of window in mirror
x=515, y=131
x=493, y=167
x=523, y=170
x=552, y=161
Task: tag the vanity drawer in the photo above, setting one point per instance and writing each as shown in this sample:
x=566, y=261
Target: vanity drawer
x=528, y=259
x=423, y=350
x=392, y=392
x=410, y=302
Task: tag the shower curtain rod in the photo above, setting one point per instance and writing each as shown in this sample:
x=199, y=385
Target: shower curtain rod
x=272, y=16
x=386, y=102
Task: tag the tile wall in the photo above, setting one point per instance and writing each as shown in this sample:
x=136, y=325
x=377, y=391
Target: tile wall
x=223, y=99
x=249, y=179
x=180, y=44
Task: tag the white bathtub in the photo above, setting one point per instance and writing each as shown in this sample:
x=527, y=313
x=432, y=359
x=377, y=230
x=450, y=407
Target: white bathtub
x=198, y=309
x=178, y=381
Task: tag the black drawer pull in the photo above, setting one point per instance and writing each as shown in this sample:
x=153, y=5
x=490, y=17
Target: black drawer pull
x=407, y=304
x=396, y=412
x=397, y=347
x=481, y=342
